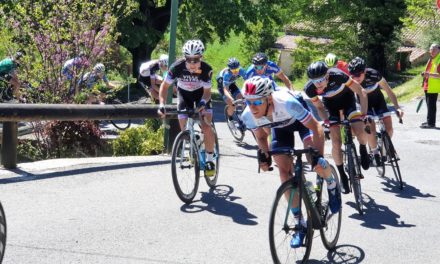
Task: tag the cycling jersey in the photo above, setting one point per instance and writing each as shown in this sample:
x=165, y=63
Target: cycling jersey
x=149, y=68
x=189, y=81
x=70, y=66
x=376, y=101
x=90, y=79
x=226, y=78
x=7, y=66
x=271, y=68
x=336, y=96
x=190, y=85
x=290, y=113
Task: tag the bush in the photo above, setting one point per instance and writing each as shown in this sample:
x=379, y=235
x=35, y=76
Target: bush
x=143, y=140
x=306, y=53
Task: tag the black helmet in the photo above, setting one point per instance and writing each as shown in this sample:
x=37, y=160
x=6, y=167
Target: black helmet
x=233, y=63
x=356, y=65
x=317, y=69
x=259, y=59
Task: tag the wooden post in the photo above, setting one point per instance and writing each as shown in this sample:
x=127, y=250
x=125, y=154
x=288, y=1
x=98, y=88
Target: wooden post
x=9, y=145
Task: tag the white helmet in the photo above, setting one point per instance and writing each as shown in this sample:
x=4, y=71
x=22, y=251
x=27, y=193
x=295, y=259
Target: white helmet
x=163, y=59
x=99, y=67
x=193, y=47
x=257, y=87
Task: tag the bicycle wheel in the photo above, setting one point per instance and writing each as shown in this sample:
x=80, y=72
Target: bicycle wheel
x=185, y=167
x=354, y=171
x=330, y=231
x=212, y=180
x=381, y=169
x=393, y=159
x=120, y=124
x=2, y=233
x=282, y=225
x=234, y=125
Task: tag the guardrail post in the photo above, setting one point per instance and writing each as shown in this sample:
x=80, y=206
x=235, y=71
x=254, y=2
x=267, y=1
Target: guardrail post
x=9, y=145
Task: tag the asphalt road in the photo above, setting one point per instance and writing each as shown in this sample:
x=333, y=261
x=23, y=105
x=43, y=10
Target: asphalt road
x=125, y=210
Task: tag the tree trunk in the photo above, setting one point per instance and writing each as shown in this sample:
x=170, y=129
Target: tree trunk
x=376, y=58
x=140, y=55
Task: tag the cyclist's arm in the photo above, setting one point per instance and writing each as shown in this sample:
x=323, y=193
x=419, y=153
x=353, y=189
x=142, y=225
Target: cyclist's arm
x=163, y=92
x=320, y=107
x=318, y=134
x=261, y=137
x=206, y=94
x=227, y=93
x=285, y=79
x=357, y=89
x=384, y=85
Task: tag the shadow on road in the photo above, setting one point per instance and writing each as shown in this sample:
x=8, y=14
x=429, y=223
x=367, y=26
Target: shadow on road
x=377, y=216
x=342, y=254
x=408, y=192
x=219, y=201
x=28, y=176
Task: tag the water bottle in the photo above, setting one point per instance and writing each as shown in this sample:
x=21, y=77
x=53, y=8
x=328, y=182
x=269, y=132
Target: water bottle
x=311, y=192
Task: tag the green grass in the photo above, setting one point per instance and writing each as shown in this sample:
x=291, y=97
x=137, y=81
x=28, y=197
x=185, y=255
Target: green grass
x=411, y=88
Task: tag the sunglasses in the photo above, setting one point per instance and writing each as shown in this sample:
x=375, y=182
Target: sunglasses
x=235, y=71
x=192, y=60
x=255, y=103
x=319, y=80
x=259, y=67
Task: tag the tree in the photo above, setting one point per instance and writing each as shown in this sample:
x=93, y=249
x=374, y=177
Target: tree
x=361, y=27
x=144, y=29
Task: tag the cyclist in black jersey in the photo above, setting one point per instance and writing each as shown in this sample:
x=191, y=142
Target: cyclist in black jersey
x=193, y=77
x=372, y=82
x=337, y=91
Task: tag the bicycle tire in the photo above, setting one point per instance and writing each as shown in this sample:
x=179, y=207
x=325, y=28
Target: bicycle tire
x=233, y=125
x=281, y=228
x=381, y=168
x=3, y=233
x=354, y=171
x=212, y=181
x=125, y=123
x=392, y=159
x=332, y=227
x=183, y=158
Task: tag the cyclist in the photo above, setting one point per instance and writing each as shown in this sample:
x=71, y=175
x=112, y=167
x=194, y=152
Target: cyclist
x=8, y=71
x=193, y=78
x=284, y=113
x=332, y=61
x=71, y=68
x=90, y=79
x=371, y=80
x=338, y=93
x=261, y=66
x=148, y=77
x=226, y=85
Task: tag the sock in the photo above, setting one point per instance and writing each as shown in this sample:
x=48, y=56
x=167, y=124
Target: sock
x=341, y=170
x=209, y=156
x=298, y=217
x=331, y=183
x=229, y=118
x=376, y=151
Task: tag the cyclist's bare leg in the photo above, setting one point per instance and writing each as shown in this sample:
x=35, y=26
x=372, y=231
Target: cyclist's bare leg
x=285, y=168
x=207, y=131
x=231, y=107
x=372, y=140
x=388, y=123
x=359, y=132
x=335, y=136
x=182, y=122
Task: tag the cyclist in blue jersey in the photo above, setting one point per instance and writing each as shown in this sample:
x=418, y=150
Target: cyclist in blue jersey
x=332, y=91
x=90, y=79
x=226, y=85
x=372, y=82
x=284, y=113
x=261, y=66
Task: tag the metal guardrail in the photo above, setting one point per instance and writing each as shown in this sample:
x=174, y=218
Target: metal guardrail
x=10, y=114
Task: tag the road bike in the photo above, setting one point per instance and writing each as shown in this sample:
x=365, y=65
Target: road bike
x=387, y=151
x=351, y=163
x=314, y=208
x=188, y=158
x=235, y=124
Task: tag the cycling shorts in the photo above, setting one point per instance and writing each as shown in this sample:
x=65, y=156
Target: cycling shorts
x=190, y=99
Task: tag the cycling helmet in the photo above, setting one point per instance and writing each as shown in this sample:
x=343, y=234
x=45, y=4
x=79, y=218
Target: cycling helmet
x=259, y=59
x=99, y=68
x=193, y=47
x=317, y=69
x=331, y=59
x=257, y=87
x=233, y=63
x=356, y=65
x=163, y=59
